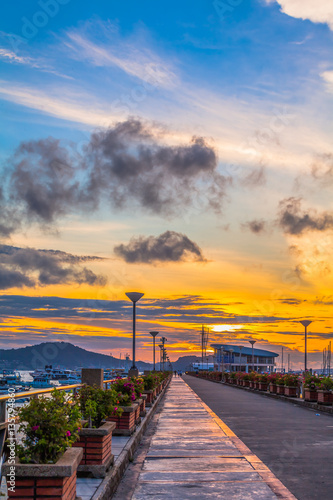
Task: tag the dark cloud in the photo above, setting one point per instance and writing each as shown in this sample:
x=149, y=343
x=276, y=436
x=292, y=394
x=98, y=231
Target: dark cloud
x=31, y=267
x=167, y=247
x=295, y=221
x=256, y=226
x=125, y=166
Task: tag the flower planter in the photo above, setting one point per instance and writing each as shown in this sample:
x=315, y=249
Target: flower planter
x=310, y=395
x=280, y=390
x=251, y=384
x=143, y=410
x=150, y=396
x=290, y=392
x=246, y=383
x=96, y=444
x=325, y=397
x=232, y=381
x=263, y=386
x=125, y=425
x=137, y=411
x=272, y=388
x=45, y=481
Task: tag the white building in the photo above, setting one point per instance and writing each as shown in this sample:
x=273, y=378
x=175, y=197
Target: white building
x=234, y=358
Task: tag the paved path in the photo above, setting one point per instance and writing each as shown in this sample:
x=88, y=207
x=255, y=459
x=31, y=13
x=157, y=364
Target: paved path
x=294, y=442
x=194, y=455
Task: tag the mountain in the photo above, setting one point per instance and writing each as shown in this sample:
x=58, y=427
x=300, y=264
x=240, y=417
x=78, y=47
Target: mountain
x=59, y=354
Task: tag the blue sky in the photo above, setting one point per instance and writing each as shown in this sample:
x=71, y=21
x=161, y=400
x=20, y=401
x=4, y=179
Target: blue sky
x=256, y=83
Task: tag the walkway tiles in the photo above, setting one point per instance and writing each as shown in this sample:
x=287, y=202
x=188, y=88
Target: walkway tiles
x=191, y=456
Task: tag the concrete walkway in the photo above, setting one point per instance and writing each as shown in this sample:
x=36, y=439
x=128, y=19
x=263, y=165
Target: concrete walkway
x=193, y=454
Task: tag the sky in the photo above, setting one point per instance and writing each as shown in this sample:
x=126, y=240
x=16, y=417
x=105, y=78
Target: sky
x=179, y=149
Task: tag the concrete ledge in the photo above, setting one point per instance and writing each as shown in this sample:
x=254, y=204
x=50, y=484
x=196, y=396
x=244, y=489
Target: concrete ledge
x=109, y=485
x=103, y=430
x=64, y=467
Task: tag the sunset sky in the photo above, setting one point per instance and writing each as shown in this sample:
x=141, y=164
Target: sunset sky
x=180, y=149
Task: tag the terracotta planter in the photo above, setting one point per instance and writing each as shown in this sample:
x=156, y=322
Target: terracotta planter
x=325, y=397
x=291, y=392
x=45, y=481
x=251, y=384
x=280, y=390
x=125, y=425
x=150, y=396
x=96, y=444
x=273, y=388
x=137, y=411
x=263, y=386
x=246, y=383
x=310, y=395
x=143, y=410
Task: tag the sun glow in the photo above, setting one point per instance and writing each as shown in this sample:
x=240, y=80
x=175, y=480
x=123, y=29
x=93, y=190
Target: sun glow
x=226, y=328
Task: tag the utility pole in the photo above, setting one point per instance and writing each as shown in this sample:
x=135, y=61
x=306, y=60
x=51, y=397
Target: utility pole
x=282, y=362
x=288, y=362
x=163, y=340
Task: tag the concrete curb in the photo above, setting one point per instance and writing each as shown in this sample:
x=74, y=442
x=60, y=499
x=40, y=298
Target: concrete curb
x=303, y=404
x=110, y=484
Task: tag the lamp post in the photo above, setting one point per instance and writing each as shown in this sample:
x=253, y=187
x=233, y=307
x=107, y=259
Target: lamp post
x=230, y=358
x=252, y=342
x=240, y=357
x=134, y=297
x=153, y=334
x=305, y=323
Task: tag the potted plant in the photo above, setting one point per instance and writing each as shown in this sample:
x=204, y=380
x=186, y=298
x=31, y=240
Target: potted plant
x=263, y=381
x=96, y=434
x=246, y=380
x=280, y=384
x=325, y=394
x=252, y=378
x=290, y=385
x=149, y=384
x=311, y=383
x=45, y=463
x=126, y=422
x=232, y=378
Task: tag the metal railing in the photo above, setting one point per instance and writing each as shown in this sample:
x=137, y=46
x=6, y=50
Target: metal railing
x=36, y=393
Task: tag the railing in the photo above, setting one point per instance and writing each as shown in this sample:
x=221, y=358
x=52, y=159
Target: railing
x=36, y=393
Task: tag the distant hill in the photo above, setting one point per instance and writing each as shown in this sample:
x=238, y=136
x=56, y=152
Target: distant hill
x=59, y=354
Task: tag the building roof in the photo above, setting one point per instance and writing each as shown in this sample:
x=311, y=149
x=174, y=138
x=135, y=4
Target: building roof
x=245, y=350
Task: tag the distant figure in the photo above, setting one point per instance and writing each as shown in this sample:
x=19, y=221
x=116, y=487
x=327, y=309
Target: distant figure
x=175, y=373
x=180, y=373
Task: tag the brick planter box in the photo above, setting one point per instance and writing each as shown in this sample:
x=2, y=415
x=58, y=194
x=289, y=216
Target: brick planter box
x=310, y=395
x=150, y=397
x=263, y=386
x=246, y=383
x=280, y=390
x=125, y=425
x=137, y=411
x=96, y=444
x=272, y=388
x=291, y=392
x=325, y=397
x=46, y=481
x=251, y=384
x=143, y=410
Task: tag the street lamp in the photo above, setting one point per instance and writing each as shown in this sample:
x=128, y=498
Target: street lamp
x=240, y=357
x=230, y=358
x=305, y=323
x=252, y=342
x=134, y=297
x=153, y=334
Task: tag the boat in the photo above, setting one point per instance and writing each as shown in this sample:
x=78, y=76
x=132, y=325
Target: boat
x=41, y=382
x=62, y=376
x=10, y=377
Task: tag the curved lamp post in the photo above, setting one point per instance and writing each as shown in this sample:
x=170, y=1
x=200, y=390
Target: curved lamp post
x=134, y=297
x=252, y=342
x=153, y=334
x=305, y=323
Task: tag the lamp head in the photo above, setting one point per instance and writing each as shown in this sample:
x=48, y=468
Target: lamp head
x=305, y=323
x=134, y=296
x=252, y=342
x=153, y=334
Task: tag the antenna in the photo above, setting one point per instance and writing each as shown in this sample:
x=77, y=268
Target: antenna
x=204, y=341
